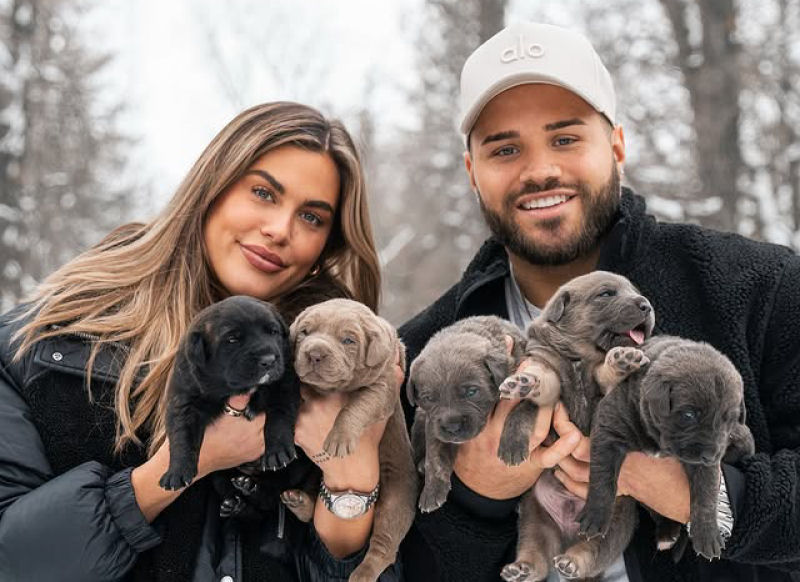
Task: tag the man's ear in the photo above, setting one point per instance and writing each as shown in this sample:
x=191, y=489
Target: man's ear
x=470, y=172
x=554, y=311
x=618, y=147
x=197, y=348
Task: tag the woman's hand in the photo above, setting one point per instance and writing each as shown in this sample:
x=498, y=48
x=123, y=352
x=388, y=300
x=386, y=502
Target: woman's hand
x=360, y=470
x=231, y=441
x=228, y=442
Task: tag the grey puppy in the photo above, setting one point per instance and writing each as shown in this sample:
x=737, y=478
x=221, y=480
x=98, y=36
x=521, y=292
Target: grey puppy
x=584, y=343
x=341, y=345
x=454, y=382
x=687, y=403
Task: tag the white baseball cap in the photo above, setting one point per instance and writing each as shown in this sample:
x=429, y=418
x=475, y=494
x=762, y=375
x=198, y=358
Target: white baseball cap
x=530, y=52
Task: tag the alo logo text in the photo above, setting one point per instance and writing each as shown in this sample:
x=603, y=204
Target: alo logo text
x=520, y=51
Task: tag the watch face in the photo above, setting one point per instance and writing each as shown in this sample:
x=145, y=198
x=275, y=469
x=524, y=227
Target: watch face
x=348, y=506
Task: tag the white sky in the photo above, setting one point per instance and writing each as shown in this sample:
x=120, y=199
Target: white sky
x=165, y=73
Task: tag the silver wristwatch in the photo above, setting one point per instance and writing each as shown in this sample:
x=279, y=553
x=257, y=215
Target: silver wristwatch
x=348, y=504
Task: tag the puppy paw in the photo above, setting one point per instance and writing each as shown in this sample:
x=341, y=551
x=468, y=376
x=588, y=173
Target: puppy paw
x=278, y=456
x=593, y=521
x=513, y=450
x=300, y=503
x=177, y=477
x=433, y=496
x=244, y=484
x=521, y=572
x=567, y=567
x=525, y=384
x=625, y=360
x=706, y=540
x=338, y=444
x=231, y=506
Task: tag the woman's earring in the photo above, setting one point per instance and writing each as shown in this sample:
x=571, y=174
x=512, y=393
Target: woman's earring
x=315, y=270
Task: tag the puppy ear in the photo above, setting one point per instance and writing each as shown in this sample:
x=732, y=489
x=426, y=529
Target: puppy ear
x=497, y=362
x=197, y=348
x=742, y=412
x=380, y=346
x=657, y=399
x=555, y=310
x=410, y=388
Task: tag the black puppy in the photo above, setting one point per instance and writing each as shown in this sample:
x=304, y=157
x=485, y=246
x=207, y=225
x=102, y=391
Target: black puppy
x=688, y=403
x=236, y=346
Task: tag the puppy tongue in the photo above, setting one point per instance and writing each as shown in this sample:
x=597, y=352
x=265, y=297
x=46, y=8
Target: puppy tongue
x=637, y=335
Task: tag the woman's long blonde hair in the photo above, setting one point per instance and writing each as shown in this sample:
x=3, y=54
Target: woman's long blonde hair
x=144, y=283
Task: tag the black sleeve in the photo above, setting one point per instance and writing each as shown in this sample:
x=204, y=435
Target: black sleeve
x=315, y=562
x=81, y=525
x=765, y=492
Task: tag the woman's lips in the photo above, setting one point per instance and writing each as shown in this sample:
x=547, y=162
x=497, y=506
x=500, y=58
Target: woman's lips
x=262, y=259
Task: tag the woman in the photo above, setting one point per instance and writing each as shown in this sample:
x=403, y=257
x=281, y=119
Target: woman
x=274, y=205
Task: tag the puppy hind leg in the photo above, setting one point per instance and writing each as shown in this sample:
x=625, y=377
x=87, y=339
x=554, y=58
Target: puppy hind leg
x=538, y=540
x=589, y=558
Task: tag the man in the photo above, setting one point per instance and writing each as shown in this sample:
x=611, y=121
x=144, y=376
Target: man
x=544, y=157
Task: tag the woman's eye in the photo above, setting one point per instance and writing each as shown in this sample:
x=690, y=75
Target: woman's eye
x=264, y=193
x=311, y=218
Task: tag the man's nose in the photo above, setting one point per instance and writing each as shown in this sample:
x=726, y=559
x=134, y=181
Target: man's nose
x=539, y=167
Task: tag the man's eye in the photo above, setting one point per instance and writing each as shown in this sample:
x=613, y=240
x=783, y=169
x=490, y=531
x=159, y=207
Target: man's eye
x=564, y=141
x=505, y=151
x=264, y=193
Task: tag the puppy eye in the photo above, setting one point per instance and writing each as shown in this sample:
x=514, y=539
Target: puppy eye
x=273, y=331
x=690, y=415
x=607, y=293
x=302, y=333
x=348, y=341
x=232, y=338
x=470, y=392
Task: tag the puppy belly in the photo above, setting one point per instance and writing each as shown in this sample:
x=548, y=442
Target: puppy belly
x=562, y=505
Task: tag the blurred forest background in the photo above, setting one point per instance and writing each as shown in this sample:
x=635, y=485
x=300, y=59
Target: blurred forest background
x=708, y=93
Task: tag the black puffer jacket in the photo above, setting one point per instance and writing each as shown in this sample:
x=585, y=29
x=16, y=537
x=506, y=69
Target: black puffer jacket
x=67, y=508
x=742, y=297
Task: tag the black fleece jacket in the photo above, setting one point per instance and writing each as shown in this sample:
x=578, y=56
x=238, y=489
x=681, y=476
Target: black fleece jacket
x=741, y=296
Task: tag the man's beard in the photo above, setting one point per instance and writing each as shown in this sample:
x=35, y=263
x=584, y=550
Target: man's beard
x=599, y=212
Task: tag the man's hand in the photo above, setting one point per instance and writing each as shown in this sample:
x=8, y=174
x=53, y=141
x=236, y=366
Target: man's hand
x=480, y=469
x=659, y=483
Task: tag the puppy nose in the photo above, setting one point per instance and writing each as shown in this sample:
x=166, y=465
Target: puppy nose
x=267, y=361
x=315, y=355
x=644, y=305
x=452, y=424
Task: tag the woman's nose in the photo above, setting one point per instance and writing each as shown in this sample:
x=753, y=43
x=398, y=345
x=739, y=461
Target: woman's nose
x=277, y=226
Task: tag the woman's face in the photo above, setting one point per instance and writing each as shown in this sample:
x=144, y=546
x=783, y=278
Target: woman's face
x=264, y=233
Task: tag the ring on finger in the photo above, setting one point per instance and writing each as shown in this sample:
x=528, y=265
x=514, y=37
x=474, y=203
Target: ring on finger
x=235, y=412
